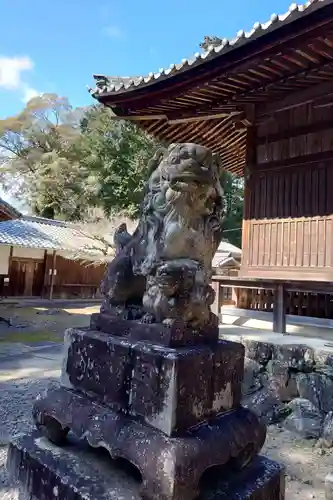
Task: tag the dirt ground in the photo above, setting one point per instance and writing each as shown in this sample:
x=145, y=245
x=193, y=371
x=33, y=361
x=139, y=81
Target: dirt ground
x=306, y=466
x=41, y=324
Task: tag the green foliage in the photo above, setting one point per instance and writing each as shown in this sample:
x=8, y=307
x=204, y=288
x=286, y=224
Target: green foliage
x=117, y=153
x=39, y=163
x=67, y=163
x=234, y=196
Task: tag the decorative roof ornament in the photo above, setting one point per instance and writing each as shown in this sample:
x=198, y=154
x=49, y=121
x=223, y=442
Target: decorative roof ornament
x=210, y=41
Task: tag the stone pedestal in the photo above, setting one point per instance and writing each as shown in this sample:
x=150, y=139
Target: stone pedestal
x=76, y=472
x=165, y=401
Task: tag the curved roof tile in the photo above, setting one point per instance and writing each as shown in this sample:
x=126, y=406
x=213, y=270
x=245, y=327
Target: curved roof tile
x=111, y=84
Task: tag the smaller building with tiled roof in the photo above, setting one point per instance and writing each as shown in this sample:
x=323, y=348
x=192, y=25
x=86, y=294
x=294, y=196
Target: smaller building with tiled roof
x=46, y=234
x=50, y=258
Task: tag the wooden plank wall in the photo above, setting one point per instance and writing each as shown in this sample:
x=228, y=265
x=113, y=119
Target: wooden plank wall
x=289, y=211
x=73, y=278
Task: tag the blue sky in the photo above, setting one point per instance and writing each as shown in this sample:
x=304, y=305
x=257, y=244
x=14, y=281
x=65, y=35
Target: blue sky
x=57, y=46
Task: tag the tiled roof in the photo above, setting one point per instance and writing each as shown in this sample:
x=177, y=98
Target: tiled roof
x=226, y=247
x=111, y=84
x=37, y=232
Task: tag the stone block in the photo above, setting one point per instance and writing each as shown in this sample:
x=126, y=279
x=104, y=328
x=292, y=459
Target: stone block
x=162, y=389
x=305, y=419
x=175, y=334
x=98, y=365
x=296, y=356
x=317, y=388
x=153, y=382
x=261, y=352
x=173, y=389
x=77, y=473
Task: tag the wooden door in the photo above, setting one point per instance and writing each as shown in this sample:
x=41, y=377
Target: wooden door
x=26, y=278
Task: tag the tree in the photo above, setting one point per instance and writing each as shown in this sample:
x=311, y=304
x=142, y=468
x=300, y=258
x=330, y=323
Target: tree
x=80, y=164
x=39, y=162
x=117, y=153
x=234, y=198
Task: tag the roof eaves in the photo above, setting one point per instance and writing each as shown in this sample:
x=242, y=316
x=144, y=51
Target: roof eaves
x=12, y=210
x=113, y=85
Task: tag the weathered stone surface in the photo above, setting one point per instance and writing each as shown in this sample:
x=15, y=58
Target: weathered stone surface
x=162, y=390
x=236, y=435
x=317, y=388
x=305, y=419
x=329, y=487
x=154, y=382
x=78, y=473
x=290, y=391
x=98, y=365
x=165, y=266
x=265, y=404
x=327, y=430
x=276, y=368
x=298, y=357
x=175, y=334
x=281, y=381
x=325, y=370
x=251, y=381
x=258, y=351
x=323, y=357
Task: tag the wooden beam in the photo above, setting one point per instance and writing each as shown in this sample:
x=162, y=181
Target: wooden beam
x=297, y=98
x=313, y=128
x=199, y=118
x=136, y=118
x=298, y=161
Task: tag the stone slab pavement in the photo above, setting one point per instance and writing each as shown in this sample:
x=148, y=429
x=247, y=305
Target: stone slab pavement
x=21, y=361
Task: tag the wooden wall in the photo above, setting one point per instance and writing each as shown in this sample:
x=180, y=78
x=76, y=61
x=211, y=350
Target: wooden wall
x=30, y=277
x=73, y=278
x=288, y=222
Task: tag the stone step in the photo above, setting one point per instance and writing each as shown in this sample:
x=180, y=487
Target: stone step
x=77, y=472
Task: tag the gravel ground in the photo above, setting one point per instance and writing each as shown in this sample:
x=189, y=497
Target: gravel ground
x=306, y=466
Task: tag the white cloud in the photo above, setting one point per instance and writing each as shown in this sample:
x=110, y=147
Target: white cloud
x=113, y=31
x=11, y=69
x=29, y=93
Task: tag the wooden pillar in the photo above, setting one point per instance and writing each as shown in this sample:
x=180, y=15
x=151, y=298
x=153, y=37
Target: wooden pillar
x=216, y=304
x=53, y=266
x=279, y=309
x=45, y=281
x=250, y=162
x=234, y=296
x=10, y=261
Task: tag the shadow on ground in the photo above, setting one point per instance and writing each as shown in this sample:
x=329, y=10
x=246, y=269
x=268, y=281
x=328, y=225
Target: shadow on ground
x=39, y=325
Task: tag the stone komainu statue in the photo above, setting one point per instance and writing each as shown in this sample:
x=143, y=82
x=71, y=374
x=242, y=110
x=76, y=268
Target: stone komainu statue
x=162, y=272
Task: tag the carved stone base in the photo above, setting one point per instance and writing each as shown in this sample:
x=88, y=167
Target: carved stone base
x=76, y=472
x=171, y=467
x=152, y=382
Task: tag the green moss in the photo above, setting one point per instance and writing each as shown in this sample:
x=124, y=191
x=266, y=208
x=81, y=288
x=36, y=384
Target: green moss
x=30, y=337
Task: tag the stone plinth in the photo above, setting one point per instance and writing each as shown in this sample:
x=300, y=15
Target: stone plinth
x=176, y=334
x=171, y=389
x=76, y=472
x=171, y=467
